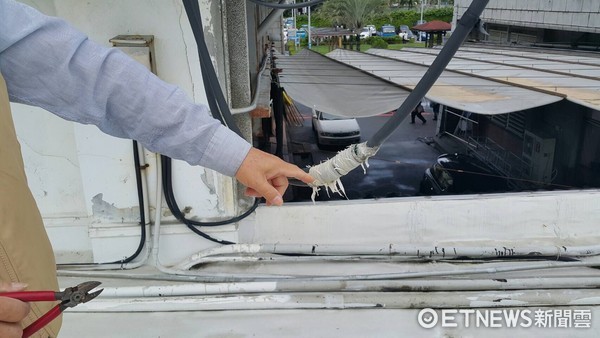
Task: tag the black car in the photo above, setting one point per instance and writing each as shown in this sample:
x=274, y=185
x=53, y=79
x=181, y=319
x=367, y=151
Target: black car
x=461, y=174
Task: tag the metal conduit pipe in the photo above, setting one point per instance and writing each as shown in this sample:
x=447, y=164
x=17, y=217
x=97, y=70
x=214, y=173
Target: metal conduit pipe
x=179, y=290
x=266, y=23
x=156, y=232
x=481, y=269
x=254, y=102
x=502, y=250
x=348, y=300
x=119, y=295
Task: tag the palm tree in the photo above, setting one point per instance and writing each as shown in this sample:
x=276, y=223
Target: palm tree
x=355, y=12
x=352, y=13
x=333, y=9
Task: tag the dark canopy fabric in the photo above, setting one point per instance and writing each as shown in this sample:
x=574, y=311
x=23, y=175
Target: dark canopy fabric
x=330, y=86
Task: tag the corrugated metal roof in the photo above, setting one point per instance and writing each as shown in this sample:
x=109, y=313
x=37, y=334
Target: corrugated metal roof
x=573, y=57
x=333, y=87
x=464, y=91
x=575, y=77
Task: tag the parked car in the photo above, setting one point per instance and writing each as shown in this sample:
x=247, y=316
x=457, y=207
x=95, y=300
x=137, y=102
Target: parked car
x=365, y=33
x=461, y=174
x=332, y=130
x=301, y=33
x=388, y=31
x=405, y=33
x=421, y=36
x=288, y=22
x=372, y=29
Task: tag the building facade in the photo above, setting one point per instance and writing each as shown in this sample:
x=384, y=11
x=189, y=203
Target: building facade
x=559, y=23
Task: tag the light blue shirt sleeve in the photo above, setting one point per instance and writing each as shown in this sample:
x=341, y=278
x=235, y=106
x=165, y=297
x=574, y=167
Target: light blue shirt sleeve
x=47, y=63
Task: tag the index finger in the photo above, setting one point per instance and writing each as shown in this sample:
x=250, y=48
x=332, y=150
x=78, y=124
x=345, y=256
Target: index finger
x=297, y=173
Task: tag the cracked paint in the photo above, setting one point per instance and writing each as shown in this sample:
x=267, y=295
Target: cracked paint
x=102, y=209
x=209, y=180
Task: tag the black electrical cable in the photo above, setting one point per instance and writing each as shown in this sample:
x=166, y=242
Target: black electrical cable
x=192, y=225
x=195, y=21
x=219, y=109
x=209, y=76
x=278, y=111
x=466, y=23
x=140, y=193
x=170, y=198
x=286, y=6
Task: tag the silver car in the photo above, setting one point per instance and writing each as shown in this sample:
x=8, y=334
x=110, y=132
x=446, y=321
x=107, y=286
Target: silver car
x=332, y=130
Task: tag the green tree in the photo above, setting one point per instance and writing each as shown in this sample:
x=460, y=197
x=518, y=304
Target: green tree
x=351, y=13
x=331, y=10
x=356, y=11
x=410, y=17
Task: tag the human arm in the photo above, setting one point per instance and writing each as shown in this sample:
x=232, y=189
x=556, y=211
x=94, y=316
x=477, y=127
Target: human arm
x=49, y=64
x=12, y=311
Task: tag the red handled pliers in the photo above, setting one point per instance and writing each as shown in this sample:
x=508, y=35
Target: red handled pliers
x=70, y=297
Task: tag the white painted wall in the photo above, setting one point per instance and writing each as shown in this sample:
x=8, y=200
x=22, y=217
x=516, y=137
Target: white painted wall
x=521, y=219
x=71, y=167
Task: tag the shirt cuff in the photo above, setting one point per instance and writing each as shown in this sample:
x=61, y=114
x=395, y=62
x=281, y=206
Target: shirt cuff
x=226, y=152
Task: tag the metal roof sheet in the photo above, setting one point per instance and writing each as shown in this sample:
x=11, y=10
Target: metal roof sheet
x=557, y=55
x=578, y=81
x=333, y=87
x=464, y=91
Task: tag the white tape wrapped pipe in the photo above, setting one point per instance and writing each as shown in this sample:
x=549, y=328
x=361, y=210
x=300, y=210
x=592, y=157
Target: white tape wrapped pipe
x=328, y=173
